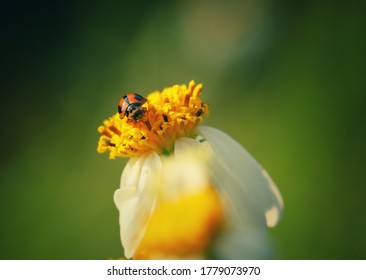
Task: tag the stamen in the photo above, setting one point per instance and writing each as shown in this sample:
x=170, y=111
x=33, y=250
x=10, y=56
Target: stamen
x=110, y=144
x=106, y=133
x=186, y=100
x=115, y=130
x=148, y=124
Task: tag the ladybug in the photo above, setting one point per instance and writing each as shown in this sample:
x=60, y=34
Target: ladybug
x=131, y=106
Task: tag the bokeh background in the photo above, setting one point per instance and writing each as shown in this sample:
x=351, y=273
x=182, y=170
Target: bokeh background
x=285, y=78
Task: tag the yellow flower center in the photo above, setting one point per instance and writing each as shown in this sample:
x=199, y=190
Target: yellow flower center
x=183, y=228
x=168, y=115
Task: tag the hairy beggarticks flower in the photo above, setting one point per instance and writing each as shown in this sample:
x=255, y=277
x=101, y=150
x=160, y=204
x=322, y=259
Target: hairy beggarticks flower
x=188, y=191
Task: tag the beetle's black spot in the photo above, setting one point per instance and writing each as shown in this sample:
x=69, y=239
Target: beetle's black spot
x=165, y=117
x=119, y=109
x=138, y=97
x=126, y=99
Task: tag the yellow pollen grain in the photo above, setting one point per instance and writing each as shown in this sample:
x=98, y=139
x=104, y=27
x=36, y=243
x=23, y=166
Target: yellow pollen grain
x=172, y=113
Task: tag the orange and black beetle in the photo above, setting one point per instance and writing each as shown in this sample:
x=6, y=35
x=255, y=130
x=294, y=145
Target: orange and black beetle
x=131, y=106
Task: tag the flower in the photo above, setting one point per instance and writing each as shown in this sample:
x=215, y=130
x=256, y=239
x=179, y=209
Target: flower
x=171, y=114
x=188, y=191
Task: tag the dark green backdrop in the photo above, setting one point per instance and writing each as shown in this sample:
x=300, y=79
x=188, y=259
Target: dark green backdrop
x=286, y=79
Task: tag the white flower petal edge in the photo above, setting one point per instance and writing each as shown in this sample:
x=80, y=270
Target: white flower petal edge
x=247, y=185
x=135, y=199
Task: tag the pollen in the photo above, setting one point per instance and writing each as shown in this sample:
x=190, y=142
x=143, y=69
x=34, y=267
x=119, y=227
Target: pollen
x=169, y=114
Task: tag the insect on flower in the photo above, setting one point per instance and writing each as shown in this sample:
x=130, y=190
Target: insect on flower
x=188, y=191
x=130, y=106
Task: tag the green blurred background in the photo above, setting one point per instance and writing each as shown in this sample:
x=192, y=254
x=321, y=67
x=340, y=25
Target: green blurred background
x=285, y=78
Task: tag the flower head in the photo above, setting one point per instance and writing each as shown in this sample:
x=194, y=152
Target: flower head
x=175, y=112
x=187, y=189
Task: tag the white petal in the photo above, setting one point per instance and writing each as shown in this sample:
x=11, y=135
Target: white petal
x=242, y=244
x=193, y=165
x=184, y=145
x=248, y=186
x=135, y=199
x=185, y=172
